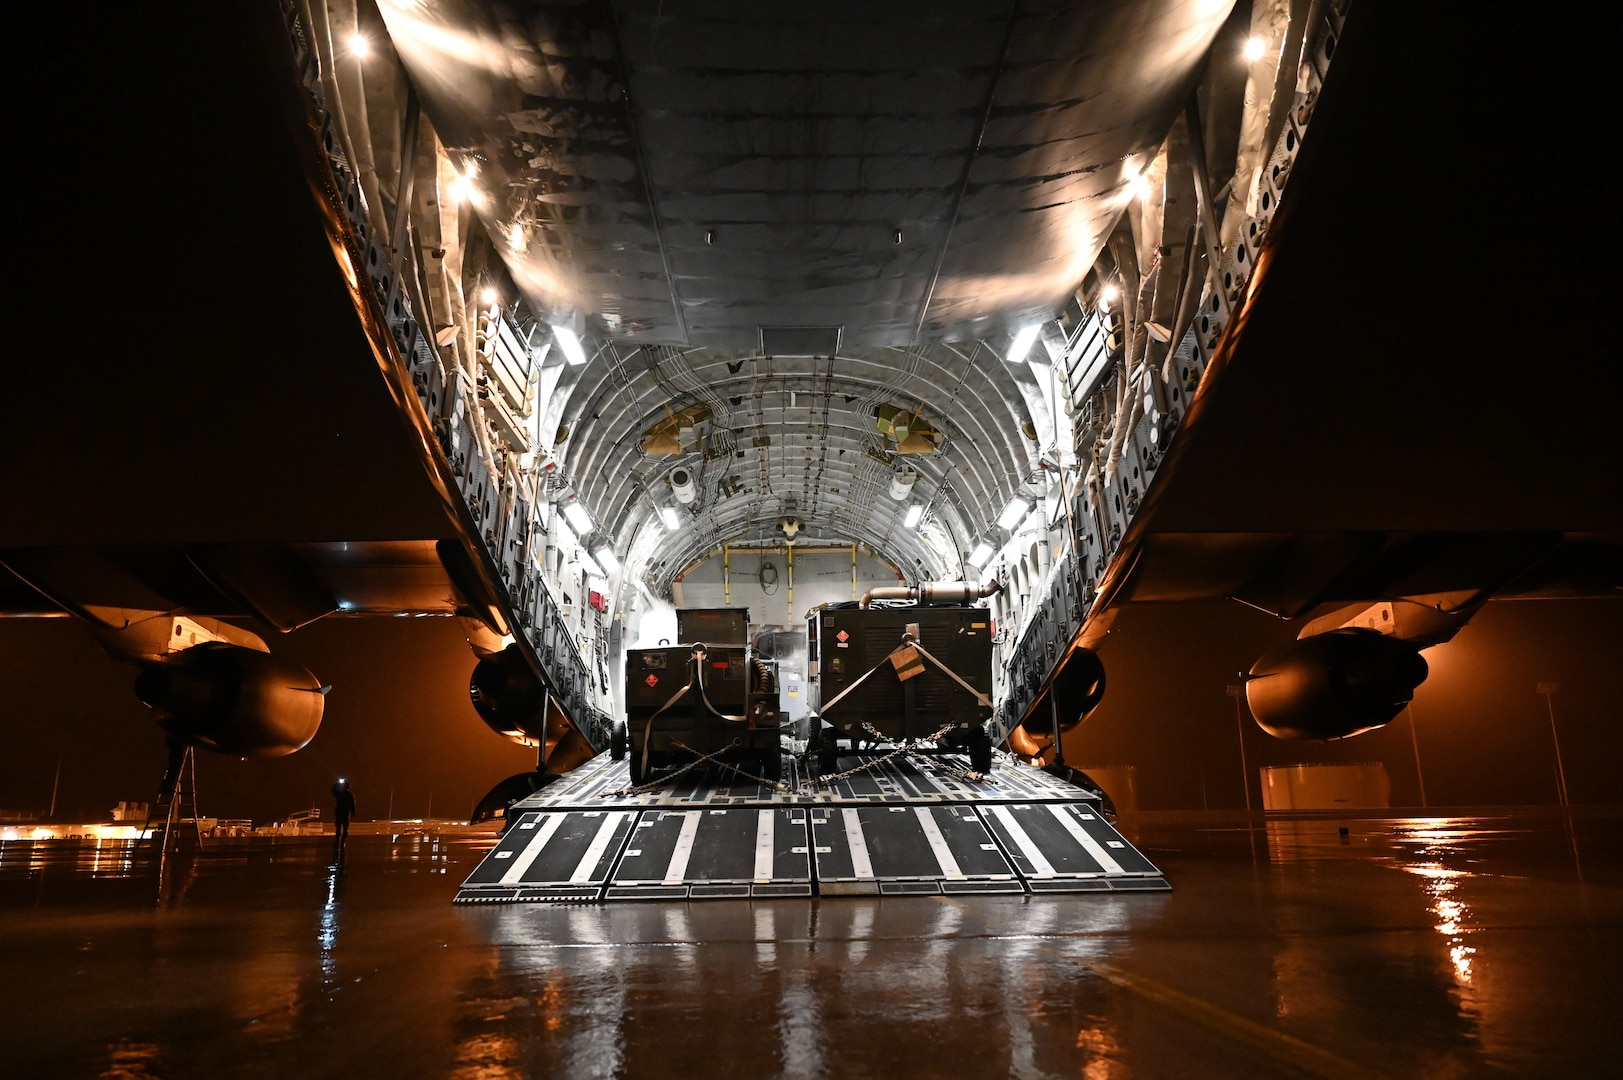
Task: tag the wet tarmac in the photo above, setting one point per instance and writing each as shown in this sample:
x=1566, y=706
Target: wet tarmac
x=1439, y=947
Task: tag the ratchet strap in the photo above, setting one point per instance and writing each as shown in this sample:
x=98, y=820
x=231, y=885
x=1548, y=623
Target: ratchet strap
x=984, y=700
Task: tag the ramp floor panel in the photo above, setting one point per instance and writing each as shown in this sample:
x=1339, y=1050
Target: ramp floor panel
x=713, y=852
x=910, y=824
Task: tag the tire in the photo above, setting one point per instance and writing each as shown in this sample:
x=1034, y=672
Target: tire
x=980, y=750
x=828, y=752
x=619, y=742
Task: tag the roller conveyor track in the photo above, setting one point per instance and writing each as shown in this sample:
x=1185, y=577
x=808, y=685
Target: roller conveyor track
x=911, y=825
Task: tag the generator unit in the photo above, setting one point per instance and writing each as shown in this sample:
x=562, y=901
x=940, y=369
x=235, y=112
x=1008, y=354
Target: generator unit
x=713, y=626
x=688, y=700
x=866, y=673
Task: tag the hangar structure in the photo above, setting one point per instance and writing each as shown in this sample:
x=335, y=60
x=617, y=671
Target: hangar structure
x=1034, y=296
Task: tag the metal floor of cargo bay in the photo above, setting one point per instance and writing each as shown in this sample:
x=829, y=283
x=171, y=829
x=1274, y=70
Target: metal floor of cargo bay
x=893, y=824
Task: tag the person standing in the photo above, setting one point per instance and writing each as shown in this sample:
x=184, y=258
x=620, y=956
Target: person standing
x=342, y=812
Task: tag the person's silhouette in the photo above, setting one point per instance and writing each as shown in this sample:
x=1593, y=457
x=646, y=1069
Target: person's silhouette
x=344, y=810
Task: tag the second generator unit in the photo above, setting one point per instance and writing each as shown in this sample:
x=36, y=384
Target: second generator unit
x=903, y=673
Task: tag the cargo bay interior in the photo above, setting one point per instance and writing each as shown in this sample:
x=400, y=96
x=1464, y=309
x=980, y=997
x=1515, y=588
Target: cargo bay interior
x=1011, y=365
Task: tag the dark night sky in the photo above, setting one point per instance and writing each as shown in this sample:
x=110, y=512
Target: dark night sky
x=206, y=382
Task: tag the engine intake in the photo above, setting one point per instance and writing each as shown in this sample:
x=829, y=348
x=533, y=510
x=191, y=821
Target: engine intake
x=234, y=700
x=1333, y=685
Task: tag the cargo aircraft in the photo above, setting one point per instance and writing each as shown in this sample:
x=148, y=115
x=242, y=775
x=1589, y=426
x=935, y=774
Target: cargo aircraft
x=518, y=312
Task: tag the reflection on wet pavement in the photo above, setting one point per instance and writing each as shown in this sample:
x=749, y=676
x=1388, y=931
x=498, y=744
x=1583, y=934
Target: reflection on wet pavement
x=1419, y=947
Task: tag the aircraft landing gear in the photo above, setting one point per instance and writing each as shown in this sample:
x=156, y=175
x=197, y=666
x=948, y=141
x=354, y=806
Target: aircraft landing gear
x=980, y=750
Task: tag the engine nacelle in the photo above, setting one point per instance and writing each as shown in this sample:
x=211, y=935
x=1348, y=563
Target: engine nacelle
x=1078, y=687
x=234, y=700
x=1333, y=685
x=507, y=695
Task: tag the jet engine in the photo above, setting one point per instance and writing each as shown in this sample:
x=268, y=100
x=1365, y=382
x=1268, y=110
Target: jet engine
x=1078, y=687
x=1333, y=685
x=507, y=694
x=234, y=700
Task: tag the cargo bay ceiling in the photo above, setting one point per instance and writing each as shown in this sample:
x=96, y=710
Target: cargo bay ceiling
x=796, y=240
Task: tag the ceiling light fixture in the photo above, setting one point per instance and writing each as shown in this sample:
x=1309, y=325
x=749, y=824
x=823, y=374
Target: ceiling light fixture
x=982, y=552
x=672, y=520
x=578, y=518
x=360, y=46
x=606, y=557
x=1254, y=48
x=1014, y=513
x=570, y=344
x=1022, y=343
x=915, y=514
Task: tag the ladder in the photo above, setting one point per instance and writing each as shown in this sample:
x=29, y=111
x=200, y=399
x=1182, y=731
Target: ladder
x=177, y=799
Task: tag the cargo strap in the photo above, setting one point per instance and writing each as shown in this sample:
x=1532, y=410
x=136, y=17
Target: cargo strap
x=908, y=642
x=983, y=700
x=698, y=677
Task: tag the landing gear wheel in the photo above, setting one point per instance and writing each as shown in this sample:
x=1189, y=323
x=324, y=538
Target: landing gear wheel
x=828, y=752
x=980, y=750
x=619, y=743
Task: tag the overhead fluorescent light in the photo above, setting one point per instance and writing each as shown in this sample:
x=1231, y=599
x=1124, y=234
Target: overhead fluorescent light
x=1014, y=513
x=606, y=557
x=672, y=520
x=915, y=513
x=578, y=518
x=1022, y=343
x=982, y=552
x=570, y=344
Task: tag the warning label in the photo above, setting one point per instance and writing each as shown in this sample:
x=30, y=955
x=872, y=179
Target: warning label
x=652, y=680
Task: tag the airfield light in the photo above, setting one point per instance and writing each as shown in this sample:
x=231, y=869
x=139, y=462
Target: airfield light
x=982, y=552
x=915, y=513
x=671, y=519
x=1254, y=48
x=1014, y=513
x=578, y=518
x=570, y=344
x=1022, y=344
